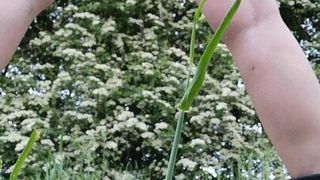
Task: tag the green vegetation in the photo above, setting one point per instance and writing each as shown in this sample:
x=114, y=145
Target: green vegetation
x=35, y=135
x=101, y=80
x=197, y=82
x=193, y=89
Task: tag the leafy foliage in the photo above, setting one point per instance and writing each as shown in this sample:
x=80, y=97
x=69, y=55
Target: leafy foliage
x=101, y=79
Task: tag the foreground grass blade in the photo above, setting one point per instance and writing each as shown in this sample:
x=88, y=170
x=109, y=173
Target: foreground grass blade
x=35, y=135
x=196, y=18
x=196, y=83
x=174, y=149
x=193, y=34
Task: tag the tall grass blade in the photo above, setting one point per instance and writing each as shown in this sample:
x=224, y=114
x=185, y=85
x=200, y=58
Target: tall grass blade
x=174, y=149
x=35, y=135
x=196, y=17
x=193, y=89
x=196, y=83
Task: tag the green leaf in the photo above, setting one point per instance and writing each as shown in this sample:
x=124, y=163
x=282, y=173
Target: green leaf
x=35, y=135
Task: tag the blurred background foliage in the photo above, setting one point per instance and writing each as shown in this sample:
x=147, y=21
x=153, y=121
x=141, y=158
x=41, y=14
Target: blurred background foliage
x=101, y=80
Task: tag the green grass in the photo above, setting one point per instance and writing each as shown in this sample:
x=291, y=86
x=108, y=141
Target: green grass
x=61, y=170
x=194, y=86
x=35, y=135
x=249, y=165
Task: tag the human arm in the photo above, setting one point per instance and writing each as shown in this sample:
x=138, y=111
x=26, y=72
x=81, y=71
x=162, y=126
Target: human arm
x=15, y=18
x=278, y=78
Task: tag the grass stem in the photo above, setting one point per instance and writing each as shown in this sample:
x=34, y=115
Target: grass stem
x=197, y=82
x=35, y=135
x=192, y=89
x=174, y=149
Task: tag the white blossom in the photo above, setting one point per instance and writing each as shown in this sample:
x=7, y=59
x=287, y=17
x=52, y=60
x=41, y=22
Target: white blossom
x=138, y=22
x=222, y=106
x=229, y=118
x=109, y=26
x=85, y=15
x=47, y=142
x=125, y=115
x=187, y=163
x=114, y=82
x=72, y=52
x=147, y=135
x=21, y=145
x=131, y=122
x=211, y=170
x=161, y=126
x=142, y=126
x=196, y=142
x=71, y=7
x=101, y=92
x=131, y=2
x=112, y=145
x=102, y=67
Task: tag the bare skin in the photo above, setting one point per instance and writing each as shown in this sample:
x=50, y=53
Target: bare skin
x=278, y=77
x=15, y=18
x=280, y=82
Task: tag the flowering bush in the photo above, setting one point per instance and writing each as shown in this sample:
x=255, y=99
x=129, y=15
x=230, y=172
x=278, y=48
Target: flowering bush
x=103, y=83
